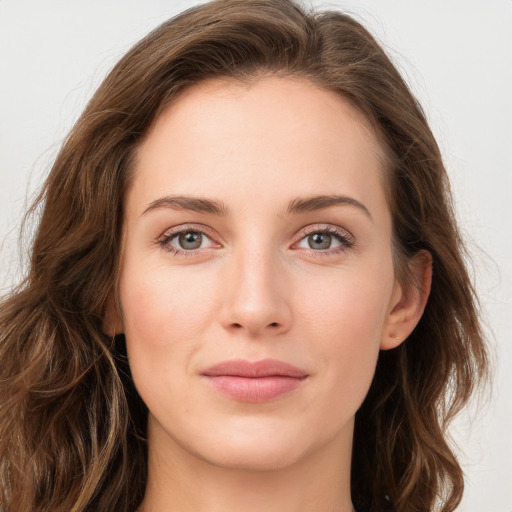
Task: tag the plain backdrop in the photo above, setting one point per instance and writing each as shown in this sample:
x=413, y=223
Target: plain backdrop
x=457, y=58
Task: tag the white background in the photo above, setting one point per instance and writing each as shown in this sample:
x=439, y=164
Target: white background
x=457, y=57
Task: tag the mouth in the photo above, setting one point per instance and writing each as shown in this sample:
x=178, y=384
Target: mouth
x=258, y=381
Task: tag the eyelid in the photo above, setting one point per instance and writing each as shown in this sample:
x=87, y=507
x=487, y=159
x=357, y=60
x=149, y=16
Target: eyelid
x=345, y=237
x=164, y=239
x=200, y=228
x=330, y=228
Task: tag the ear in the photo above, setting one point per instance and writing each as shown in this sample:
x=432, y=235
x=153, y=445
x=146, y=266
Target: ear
x=408, y=302
x=112, y=319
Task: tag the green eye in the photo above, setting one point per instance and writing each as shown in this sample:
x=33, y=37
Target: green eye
x=190, y=240
x=186, y=241
x=325, y=240
x=319, y=241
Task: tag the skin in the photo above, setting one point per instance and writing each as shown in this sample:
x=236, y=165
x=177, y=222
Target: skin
x=256, y=289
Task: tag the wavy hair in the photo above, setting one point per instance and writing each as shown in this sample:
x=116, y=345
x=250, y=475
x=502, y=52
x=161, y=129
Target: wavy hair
x=72, y=426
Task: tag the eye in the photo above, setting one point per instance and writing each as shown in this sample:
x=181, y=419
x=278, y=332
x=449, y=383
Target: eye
x=322, y=241
x=189, y=240
x=325, y=240
x=186, y=240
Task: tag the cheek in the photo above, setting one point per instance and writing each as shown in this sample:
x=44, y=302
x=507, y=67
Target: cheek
x=346, y=319
x=164, y=301
x=350, y=305
x=166, y=312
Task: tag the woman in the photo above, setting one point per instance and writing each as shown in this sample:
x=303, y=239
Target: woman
x=247, y=289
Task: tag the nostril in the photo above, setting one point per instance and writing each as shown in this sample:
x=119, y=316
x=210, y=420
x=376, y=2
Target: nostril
x=238, y=325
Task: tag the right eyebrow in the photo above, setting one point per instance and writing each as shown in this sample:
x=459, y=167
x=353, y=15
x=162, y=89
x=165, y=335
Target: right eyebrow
x=195, y=204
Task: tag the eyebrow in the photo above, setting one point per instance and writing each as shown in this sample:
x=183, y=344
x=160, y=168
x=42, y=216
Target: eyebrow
x=195, y=204
x=214, y=207
x=314, y=203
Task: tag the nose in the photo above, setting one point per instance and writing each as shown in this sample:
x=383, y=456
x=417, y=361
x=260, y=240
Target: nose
x=257, y=296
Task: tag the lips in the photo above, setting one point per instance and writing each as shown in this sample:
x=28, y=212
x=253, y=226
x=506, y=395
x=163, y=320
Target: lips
x=258, y=381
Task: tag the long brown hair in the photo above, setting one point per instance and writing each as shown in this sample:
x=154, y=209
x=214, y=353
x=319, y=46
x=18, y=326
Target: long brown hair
x=71, y=423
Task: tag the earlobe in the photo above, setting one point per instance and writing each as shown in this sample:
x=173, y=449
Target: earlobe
x=408, y=302
x=112, y=320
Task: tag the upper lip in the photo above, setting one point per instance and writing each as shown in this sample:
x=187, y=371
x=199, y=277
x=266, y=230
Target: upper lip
x=255, y=369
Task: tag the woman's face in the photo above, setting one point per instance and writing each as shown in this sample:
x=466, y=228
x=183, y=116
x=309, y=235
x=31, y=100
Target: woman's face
x=257, y=280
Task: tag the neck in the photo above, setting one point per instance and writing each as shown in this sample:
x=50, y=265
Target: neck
x=179, y=480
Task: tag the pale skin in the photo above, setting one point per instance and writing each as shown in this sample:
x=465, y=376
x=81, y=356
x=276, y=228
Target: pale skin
x=273, y=276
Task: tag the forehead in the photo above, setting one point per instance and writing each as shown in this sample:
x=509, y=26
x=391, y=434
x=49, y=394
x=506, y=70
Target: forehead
x=273, y=134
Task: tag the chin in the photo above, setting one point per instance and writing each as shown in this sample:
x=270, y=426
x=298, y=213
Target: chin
x=254, y=456
x=266, y=446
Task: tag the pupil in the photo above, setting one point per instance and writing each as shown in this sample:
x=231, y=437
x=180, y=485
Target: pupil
x=319, y=241
x=190, y=240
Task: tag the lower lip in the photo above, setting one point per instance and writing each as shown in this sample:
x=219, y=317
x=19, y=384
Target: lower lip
x=255, y=389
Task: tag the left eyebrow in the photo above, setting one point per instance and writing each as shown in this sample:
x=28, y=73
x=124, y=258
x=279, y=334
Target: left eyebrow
x=314, y=203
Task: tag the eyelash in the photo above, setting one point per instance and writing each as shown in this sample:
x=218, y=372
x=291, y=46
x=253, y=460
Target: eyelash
x=165, y=240
x=345, y=239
